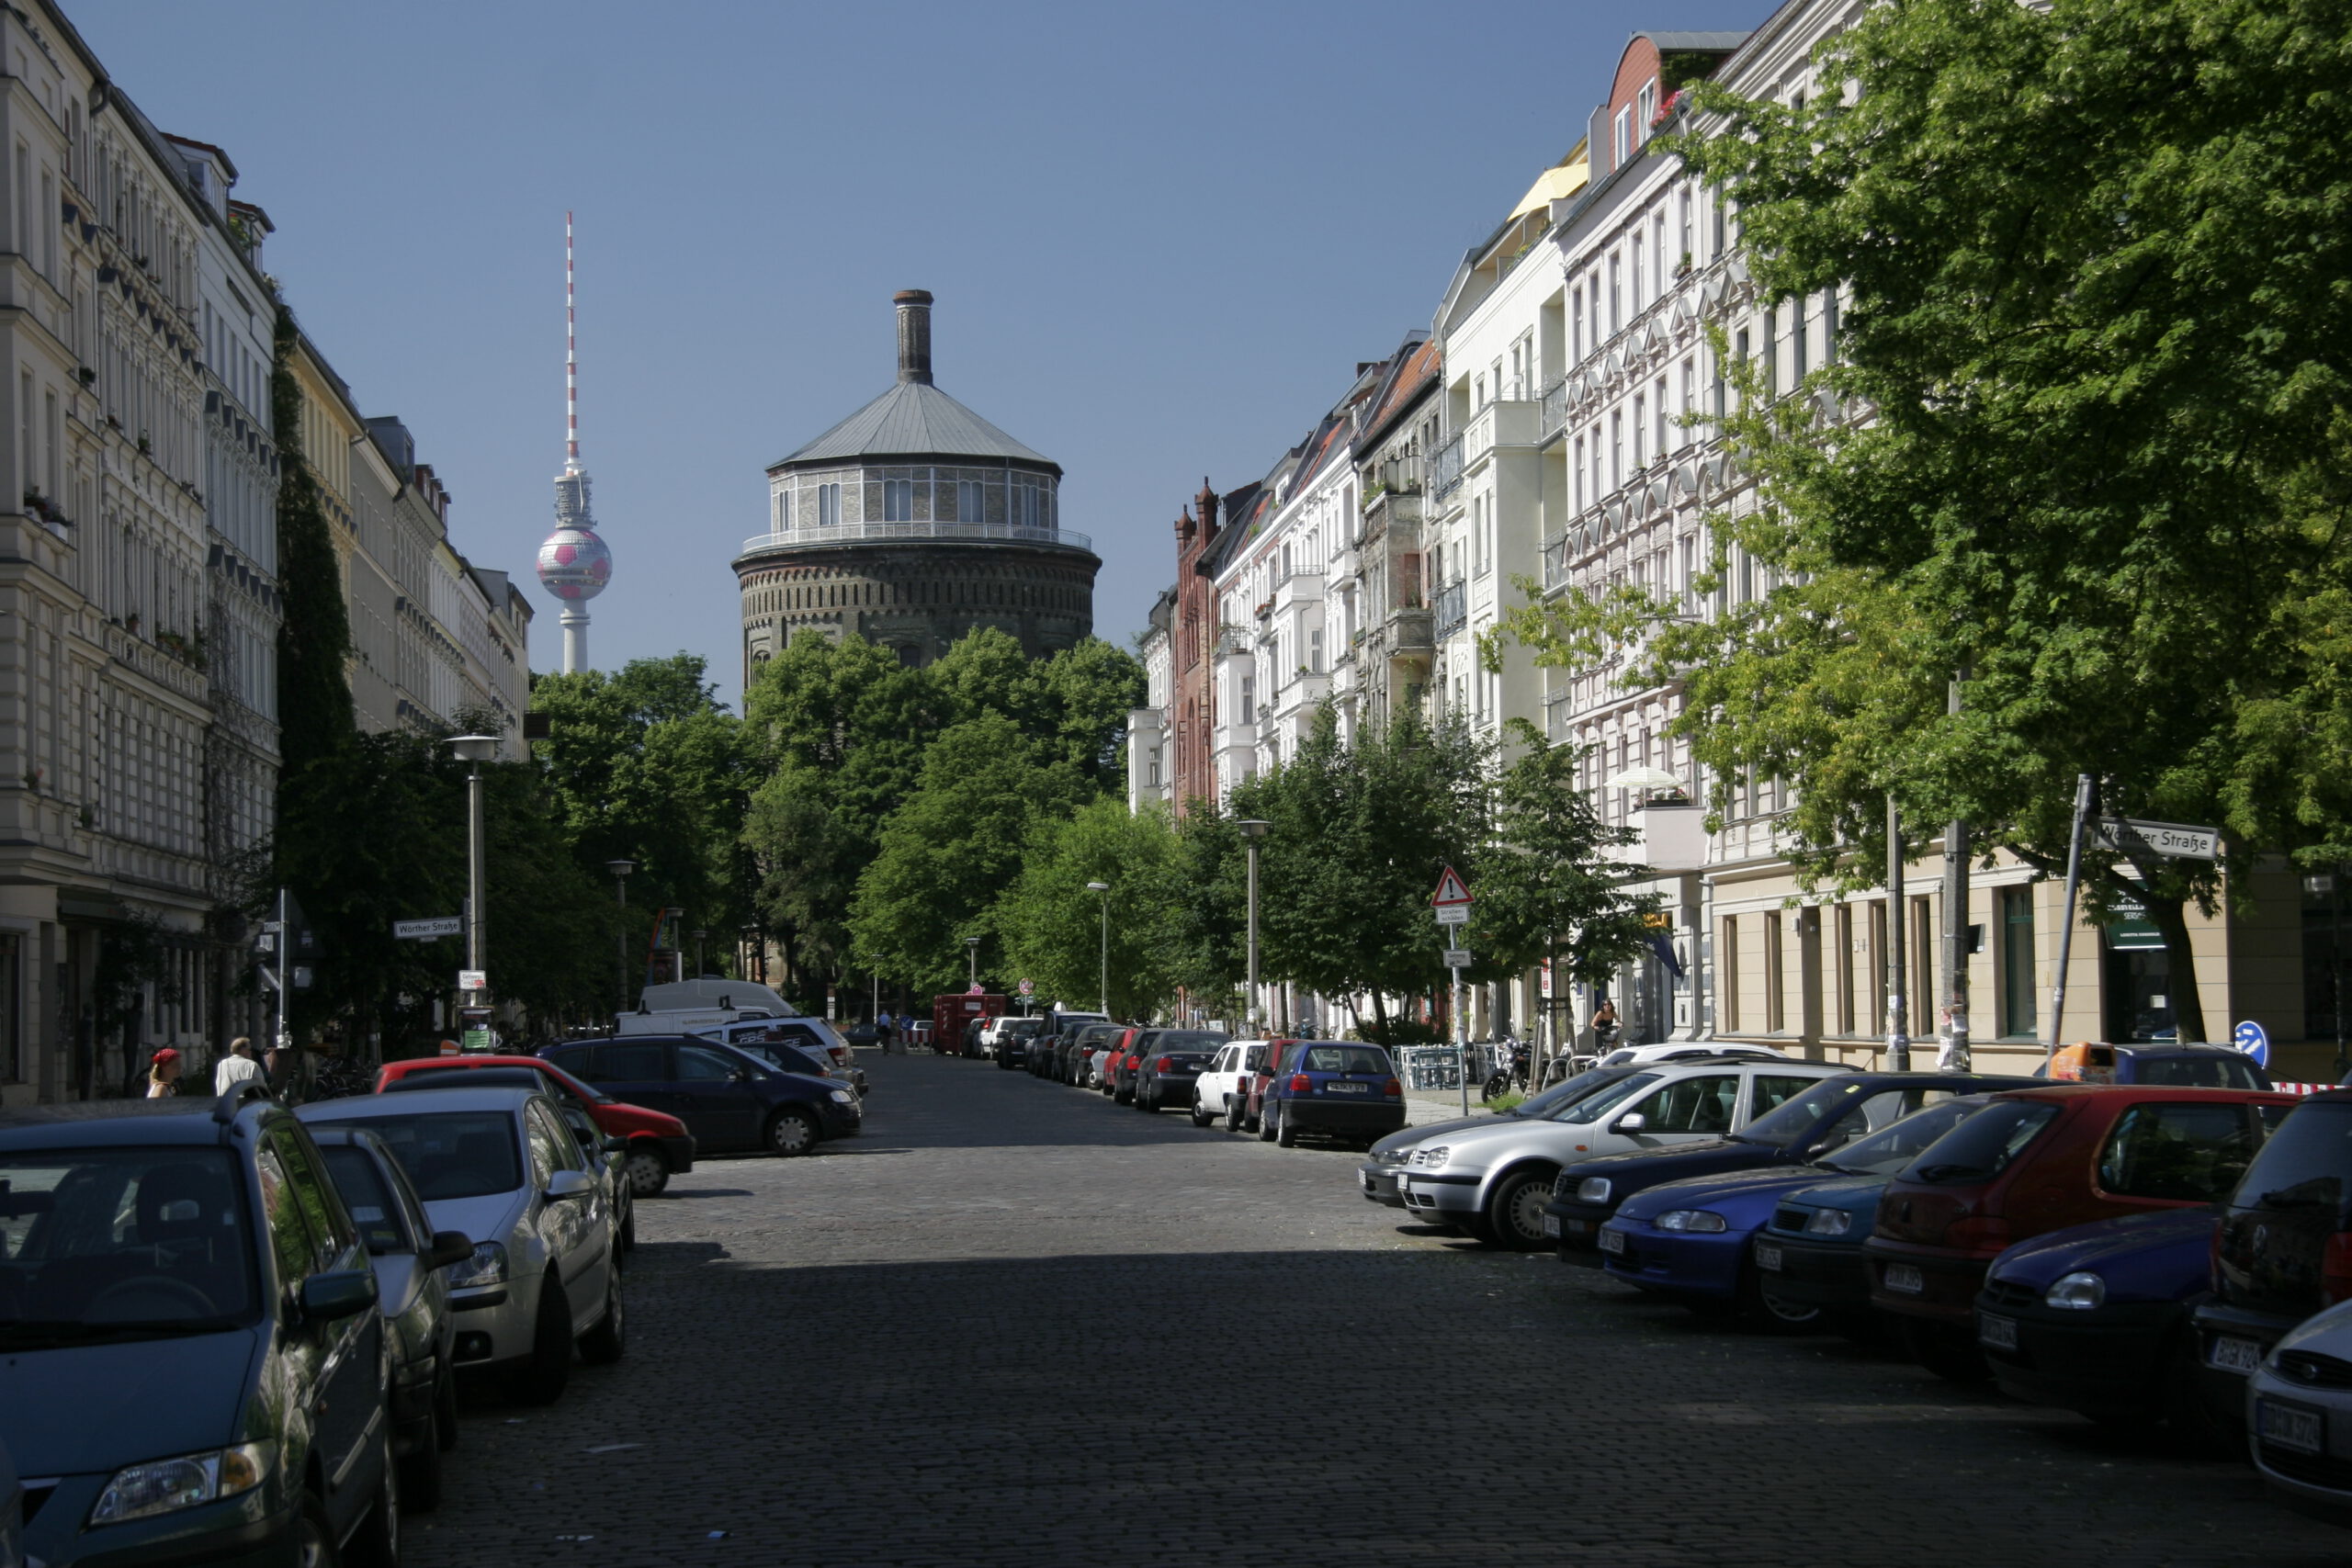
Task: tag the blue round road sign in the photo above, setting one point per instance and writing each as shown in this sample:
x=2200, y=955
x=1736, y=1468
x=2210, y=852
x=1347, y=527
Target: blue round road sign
x=2253, y=1040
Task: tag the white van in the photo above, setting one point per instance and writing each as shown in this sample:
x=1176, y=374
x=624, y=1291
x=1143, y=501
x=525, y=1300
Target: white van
x=696, y=1007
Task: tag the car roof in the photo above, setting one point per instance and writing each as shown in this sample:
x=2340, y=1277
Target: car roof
x=419, y=1103
x=2065, y=1092
x=407, y=1065
x=480, y=1077
x=192, y=1120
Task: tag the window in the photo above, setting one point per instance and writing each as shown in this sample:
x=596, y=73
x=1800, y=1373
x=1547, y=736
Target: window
x=1692, y=1105
x=699, y=1065
x=829, y=505
x=1740, y=346
x=897, y=501
x=1728, y=972
x=1658, y=408
x=2014, y=908
x=2191, y=1154
x=1844, y=927
x=1645, y=111
x=1579, y=497
x=1616, y=292
x=1775, y=993
x=971, y=501
x=1829, y=326
x=1796, y=343
x=1640, y=404
x=1658, y=255
x=1683, y=225
x=11, y=1014
x=1621, y=138
x=1576, y=324
x=1772, y=352
x=1637, y=273
x=545, y=1146
x=1616, y=449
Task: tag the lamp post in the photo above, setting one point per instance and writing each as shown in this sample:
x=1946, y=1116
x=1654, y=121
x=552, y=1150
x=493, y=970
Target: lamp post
x=1253, y=830
x=972, y=957
x=1105, y=889
x=702, y=963
x=621, y=870
x=1898, y=1042
x=474, y=750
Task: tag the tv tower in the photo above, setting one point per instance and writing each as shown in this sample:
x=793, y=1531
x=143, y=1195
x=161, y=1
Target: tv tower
x=574, y=564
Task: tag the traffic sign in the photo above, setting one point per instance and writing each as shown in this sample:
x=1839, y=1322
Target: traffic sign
x=1028, y=988
x=417, y=930
x=1450, y=889
x=2253, y=1040
x=1458, y=958
x=473, y=980
x=1453, y=914
x=974, y=989
x=2173, y=841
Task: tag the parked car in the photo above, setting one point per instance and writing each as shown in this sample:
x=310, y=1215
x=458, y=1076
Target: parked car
x=2178, y=1066
x=605, y=1152
x=813, y=1036
x=1117, y=1076
x=1331, y=1088
x=729, y=1099
x=2283, y=1249
x=12, y=1514
x=411, y=1262
x=1221, y=1088
x=2036, y=1160
x=192, y=1344
x=1813, y=1119
x=1013, y=1038
x=498, y=1165
x=1165, y=1074
x=1079, y=1058
x=1685, y=1051
x=1389, y=1155
x=2096, y=1319
x=658, y=1145
x=1495, y=1182
x=789, y=1058
x=2299, y=1418
x=1700, y=1239
x=1256, y=1083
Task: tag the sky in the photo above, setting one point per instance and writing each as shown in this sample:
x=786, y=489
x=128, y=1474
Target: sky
x=1161, y=236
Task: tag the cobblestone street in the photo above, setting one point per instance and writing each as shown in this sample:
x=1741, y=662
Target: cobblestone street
x=1016, y=1323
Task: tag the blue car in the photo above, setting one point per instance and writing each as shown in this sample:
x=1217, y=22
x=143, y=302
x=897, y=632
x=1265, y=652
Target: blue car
x=1336, y=1089
x=1815, y=1117
x=2095, y=1318
x=1700, y=1240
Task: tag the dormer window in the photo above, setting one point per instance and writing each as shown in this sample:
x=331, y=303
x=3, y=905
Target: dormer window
x=1621, y=138
x=1645, y=111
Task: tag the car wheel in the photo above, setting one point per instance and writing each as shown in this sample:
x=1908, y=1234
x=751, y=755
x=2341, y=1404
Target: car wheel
x=603, y=1345
x=1949, y=1352
x=791, y=1133
x=1762, y=1310
x=1268, y=1115
x=421, y=1469
x=1515, y=1210
x=1232, y=1114
x=649, y=1173
x=544, y=1372
x=376, y=1542
x=1201, y=1117
x=1286, y=1133
x=314, y=1537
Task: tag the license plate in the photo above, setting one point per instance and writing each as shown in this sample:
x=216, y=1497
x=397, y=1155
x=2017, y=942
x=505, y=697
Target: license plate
x=1768, y=1256
x=2000, y=1333
x=1612, y=1241
x=1576, y=1227
x=1904, y=1278
x=2234, y=1355
x=1347, y=1088
x=1552, y=1224
x=2296, y=1426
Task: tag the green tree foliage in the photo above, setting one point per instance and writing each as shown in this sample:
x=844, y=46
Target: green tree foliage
x=1051, y=927
x=314, y=634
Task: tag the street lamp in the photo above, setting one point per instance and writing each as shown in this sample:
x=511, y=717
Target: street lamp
x=972, y=955
x=621, y=870
x=701, y=963
x=1105, y=889
x=474, y=750
x=1253, y=830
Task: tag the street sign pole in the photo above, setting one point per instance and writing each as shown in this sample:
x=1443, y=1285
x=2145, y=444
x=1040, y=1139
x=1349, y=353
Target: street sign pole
x=1451, y=904
x=2067, y=921
x=1898, y=923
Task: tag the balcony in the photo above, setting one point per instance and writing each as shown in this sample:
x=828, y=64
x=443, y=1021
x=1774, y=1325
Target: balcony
x=818, y=537
x=1407, y=631
x=1400, y=474
x=1292, y=589
x=1445, y=469
x=1232, y=642
x=1552, y=412
x=1507, y=423
x=1453, y=609
x=1390, y=508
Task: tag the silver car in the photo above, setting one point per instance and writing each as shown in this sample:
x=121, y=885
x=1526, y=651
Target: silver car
x=499, y=1164
x=1493, y=1177
x=2299, y=1418
x=1389, y=1157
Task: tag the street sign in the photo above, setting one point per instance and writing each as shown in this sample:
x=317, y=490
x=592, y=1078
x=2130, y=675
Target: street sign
x=473, y=980
x=1028, y=988
x=1451, y=890
x=2129, y=834
x=1458, y=958
x=1453, y=914
x=417, y=930
x=2253, y=1040
x=974, y=989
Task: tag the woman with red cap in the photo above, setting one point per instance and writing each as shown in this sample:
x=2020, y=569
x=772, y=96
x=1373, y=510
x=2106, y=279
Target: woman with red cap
x=164, y=1075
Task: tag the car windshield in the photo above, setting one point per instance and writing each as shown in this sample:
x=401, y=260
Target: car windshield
x=1885, y=1152
x=357, y=1177
x=121, y=1241
x=452, y=1154
x=1592, y=1107
x=2306, y=1164
x=2215, y=1071
x=1796, y=1115
x=1589, y=1082
x=1343, y=1059
x=1851, y=1109
x=1981, y=1147
x=1190, y=1039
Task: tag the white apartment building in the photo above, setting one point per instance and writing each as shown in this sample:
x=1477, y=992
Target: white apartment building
x=1150, y=769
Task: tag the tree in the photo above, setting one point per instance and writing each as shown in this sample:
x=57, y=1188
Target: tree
x=1051, y=925
x=2093, y=253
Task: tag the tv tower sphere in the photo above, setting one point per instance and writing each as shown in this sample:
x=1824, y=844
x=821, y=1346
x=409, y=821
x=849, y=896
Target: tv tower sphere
x=574, y=564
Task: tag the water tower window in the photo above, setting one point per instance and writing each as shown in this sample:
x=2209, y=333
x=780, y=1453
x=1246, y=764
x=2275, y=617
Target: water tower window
x=829, y=505
x=971, y=501
x=897, y=501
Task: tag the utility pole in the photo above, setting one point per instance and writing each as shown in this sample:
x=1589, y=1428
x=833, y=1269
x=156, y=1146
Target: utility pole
x=1252, y=830
x=1898, y=1043
x=2066, y=920
x=474, y=750
x=1956, y=1057
x=1105, y=889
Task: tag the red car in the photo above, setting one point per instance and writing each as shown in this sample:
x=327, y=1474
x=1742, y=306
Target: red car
x=2037, y=1160
x=1119, y=1056
x=658, y=1145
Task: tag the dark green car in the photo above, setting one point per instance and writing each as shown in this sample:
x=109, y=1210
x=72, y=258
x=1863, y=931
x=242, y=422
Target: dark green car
x=193, y=1367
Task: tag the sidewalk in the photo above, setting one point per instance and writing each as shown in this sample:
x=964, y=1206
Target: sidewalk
x=1423, y=1106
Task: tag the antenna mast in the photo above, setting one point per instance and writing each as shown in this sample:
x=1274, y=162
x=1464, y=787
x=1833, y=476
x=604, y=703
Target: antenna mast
x=571, y=360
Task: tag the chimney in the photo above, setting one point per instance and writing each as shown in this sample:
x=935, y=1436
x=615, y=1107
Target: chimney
x=1206, y=504
x=914, y=334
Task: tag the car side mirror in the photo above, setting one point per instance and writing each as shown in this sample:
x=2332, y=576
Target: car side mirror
x=340, y=1293
x=448, y=1247
x=615, y=1145
x=1631, y=1121
x=740, y=1075
x=565, y=1184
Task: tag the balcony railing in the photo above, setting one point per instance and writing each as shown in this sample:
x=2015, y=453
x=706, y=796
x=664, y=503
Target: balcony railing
x=819, y=536
x=1453, y=609
x=1445, y=469
x=1552, y=412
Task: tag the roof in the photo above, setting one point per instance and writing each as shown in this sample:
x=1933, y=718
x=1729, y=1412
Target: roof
x=416, y=1102
x=1667, y=42
x=915, y=419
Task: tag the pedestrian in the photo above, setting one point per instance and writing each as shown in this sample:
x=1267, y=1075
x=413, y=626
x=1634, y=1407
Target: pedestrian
x=164, y=1074
x=236, y=1067
x=1604, y=1026
x=278, y=1069
x=883, y=1029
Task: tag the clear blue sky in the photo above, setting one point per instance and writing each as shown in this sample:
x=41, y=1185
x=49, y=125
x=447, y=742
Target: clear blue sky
x=1161, y=236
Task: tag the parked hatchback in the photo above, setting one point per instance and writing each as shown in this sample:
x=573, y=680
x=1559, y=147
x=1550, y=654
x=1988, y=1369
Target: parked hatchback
x=1389, y=1155
x=2299, y=1418
x=1165, y=1073
x=188, y=1324
x=729, y=1099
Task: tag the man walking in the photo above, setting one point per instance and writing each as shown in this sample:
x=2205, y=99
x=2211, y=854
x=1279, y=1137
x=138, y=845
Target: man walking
x=884, y=1029
x=236, y=1067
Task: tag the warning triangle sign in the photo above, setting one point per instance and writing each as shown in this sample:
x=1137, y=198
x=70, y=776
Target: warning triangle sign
x=1450, y=890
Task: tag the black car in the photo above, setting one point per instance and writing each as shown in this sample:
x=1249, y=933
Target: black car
x=1166, y=1075
x=1825, y=1114
x=2283, y=1250
x=1078, y=1049
x=729, y=1099
x=1041, y=1054
x=189, y=1339
x=411, y=1263
x=1119, y=1082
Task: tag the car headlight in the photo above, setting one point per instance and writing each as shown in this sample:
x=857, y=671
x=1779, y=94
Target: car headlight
x=165, y=1485
x=2079, y=1291
x=842, y=1097
x=1432, y=1158
x=1391, y=1156
x=1829, y=1222
x=1690, y=1220
x=1593, y=1189
x=486, y=1267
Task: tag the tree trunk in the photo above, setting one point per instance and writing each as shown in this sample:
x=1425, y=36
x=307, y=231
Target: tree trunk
x=2170, y=917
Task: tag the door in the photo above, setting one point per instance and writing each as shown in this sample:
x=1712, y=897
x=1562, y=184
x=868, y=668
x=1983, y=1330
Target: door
x=1686, y=1111
x=574, y=1229
x=715, y=1097
x=310, y=1233
x=634, y=1072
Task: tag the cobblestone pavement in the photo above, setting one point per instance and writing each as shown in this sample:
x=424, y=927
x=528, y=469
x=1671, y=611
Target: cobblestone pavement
x=1016, y=1323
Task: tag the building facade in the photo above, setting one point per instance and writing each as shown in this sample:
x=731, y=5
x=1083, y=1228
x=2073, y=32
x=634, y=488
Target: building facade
x=911, y=522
